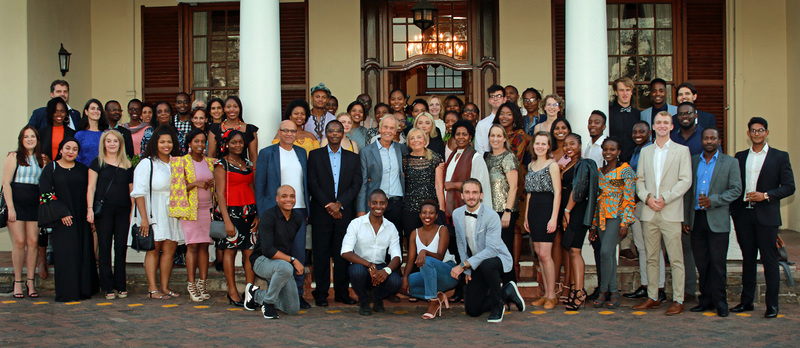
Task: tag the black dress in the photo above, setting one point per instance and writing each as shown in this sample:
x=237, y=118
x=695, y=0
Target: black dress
x=540, y=207
x=420, y=180
x=575, y=232
x=73, y=247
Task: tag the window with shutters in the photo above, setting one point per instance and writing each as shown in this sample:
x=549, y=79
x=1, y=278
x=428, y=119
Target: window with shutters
x=676, y=40
x=195, y=48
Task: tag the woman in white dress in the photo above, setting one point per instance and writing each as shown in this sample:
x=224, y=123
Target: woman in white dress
x=152, y=201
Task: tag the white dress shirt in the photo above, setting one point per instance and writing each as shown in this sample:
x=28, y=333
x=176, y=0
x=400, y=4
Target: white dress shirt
x=470, y=227
x=594, y=151
x=292, y=175
x=659, y=157
x=482, y=134
x=752, y=167
x=362, y=239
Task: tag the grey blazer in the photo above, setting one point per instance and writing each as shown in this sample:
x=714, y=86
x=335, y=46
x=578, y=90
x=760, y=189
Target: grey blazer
x=487, y=238
x=372, y=172
x=725, y=187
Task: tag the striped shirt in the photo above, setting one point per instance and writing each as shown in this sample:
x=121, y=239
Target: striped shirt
x=29, y=174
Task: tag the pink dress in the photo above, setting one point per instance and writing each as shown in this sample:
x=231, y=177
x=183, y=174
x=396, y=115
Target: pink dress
x=197, y=231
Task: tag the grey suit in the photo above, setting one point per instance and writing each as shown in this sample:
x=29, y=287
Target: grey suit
x=488, y=260
x=372, y=172
x=710, y=228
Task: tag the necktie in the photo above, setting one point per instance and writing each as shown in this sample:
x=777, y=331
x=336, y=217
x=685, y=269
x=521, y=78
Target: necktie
x=628, y=109
x=471, y=215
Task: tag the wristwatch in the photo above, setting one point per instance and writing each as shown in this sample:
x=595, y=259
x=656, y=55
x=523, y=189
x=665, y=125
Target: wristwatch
x=463, y=265
x=291, y=259
x=388, y=270
x=507, y=210
x=766, y=196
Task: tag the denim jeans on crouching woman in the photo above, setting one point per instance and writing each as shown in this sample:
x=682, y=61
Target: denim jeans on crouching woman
x=433, y=276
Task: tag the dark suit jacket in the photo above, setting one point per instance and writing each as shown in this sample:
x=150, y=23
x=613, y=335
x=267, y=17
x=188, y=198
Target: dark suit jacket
x=776, y=179
x=46, y=134
x=268, y=175
x=372, y=171
x=725, y=186
x=126, y=136
x=321, y=187
x=39, y=118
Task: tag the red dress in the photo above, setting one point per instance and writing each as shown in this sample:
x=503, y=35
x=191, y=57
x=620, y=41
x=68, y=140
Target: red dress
x=241, y=201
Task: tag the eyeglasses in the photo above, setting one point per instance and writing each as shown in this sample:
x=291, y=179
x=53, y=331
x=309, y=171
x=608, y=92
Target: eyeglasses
x=288, y=130
x=470, y=110
x=185, y=102
x=685, y=113
x=496, y=96
x=758, y=131
x=555, y=105
x=114, y=110
x=337, y=130
x=531, y=100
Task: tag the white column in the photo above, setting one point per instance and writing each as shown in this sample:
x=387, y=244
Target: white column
x=586, y=69
x=586, y=62
x=260, y=66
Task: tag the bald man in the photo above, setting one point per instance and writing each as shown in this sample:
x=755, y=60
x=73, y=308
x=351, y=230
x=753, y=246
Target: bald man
x=285, y=164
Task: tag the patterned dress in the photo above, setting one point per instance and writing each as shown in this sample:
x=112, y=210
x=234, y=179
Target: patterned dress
x=616, y=196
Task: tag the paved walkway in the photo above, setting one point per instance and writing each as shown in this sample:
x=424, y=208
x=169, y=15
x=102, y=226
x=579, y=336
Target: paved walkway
x=138, y=321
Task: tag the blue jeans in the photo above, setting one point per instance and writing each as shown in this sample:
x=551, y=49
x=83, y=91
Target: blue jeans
x=362, y=282
x=281, y=291
x=433, y=276
x=299, y=248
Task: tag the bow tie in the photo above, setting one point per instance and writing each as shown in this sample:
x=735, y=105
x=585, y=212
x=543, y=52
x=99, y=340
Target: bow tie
x=628, y=109
x=471, y=214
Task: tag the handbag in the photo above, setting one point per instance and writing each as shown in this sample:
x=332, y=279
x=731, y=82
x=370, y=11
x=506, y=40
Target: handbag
x=217, y=229
x=139, y=242
x=51, y=210
x=98, y=206
x=3, y=205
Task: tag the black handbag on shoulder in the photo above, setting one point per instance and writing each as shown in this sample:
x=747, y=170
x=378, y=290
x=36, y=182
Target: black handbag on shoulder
x=98, y=206
x=139, y=242
x=51, y=210
x=3, y=205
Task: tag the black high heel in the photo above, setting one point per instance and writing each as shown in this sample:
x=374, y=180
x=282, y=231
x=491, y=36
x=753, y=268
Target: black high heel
x=235, y=303
x=575, y=305
x=19, y=294
x=28, y=290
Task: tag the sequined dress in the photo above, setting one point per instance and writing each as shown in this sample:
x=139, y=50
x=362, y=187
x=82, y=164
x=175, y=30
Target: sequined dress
x=498, y=167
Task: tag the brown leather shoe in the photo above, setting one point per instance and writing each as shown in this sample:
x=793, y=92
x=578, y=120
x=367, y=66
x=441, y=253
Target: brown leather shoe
x=649, y=303
x=675, y=308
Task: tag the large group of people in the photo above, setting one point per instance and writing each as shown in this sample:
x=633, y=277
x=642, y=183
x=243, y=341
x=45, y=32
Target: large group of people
x=454, y=190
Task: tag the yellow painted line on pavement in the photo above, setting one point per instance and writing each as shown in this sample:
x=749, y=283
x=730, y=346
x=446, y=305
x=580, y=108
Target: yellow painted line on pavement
x=201, y=307
x=535, y=312
x=235, y=309
x=42, y=302
x=781, y=315
x=169, y=305
x=302, y=312
x=606, y=312
x=12, y=301
x=506, y=312
x=463, y=312
x=743, y=314
x=135, y=305
x=71, y=303
x=104, y=304
x=639, y=313
x=333, y=311
x=400, y=312
x=571, y=312
x=709, y=314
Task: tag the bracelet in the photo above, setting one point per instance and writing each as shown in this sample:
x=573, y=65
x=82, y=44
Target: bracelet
x=567, y=210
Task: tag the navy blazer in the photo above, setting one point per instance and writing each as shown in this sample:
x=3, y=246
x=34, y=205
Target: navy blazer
x=39, y=118
x=268, y=176
x=723, y=189
x=321, y=187
x=776, y=179
x=372, y=171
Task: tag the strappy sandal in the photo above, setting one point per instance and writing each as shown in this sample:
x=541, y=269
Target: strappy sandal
x=19, y=294
x=173, y=294
x=122, y=294
x=28, y=290
x=162, y=297
x=613, y=301
x=601, y=300
x=428, y=316
x=577, y=300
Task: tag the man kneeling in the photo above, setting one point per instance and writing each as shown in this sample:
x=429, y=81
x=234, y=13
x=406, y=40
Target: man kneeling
x=272, y=258
x=365, y=244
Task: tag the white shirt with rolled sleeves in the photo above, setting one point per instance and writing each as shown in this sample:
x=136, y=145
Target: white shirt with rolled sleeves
x=482, y=135
x=362, y=239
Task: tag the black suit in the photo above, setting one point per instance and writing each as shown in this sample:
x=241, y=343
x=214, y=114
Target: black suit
x=620, y=125
x=46, y=134
x=327, y=232
x=757, y=228
x=39, y=118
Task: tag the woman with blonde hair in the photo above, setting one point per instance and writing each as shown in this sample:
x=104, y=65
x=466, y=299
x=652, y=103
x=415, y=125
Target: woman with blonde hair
x=424, y=178
x=108, y=194
x=437, y=111
x=426, y=122
x=554, y=107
